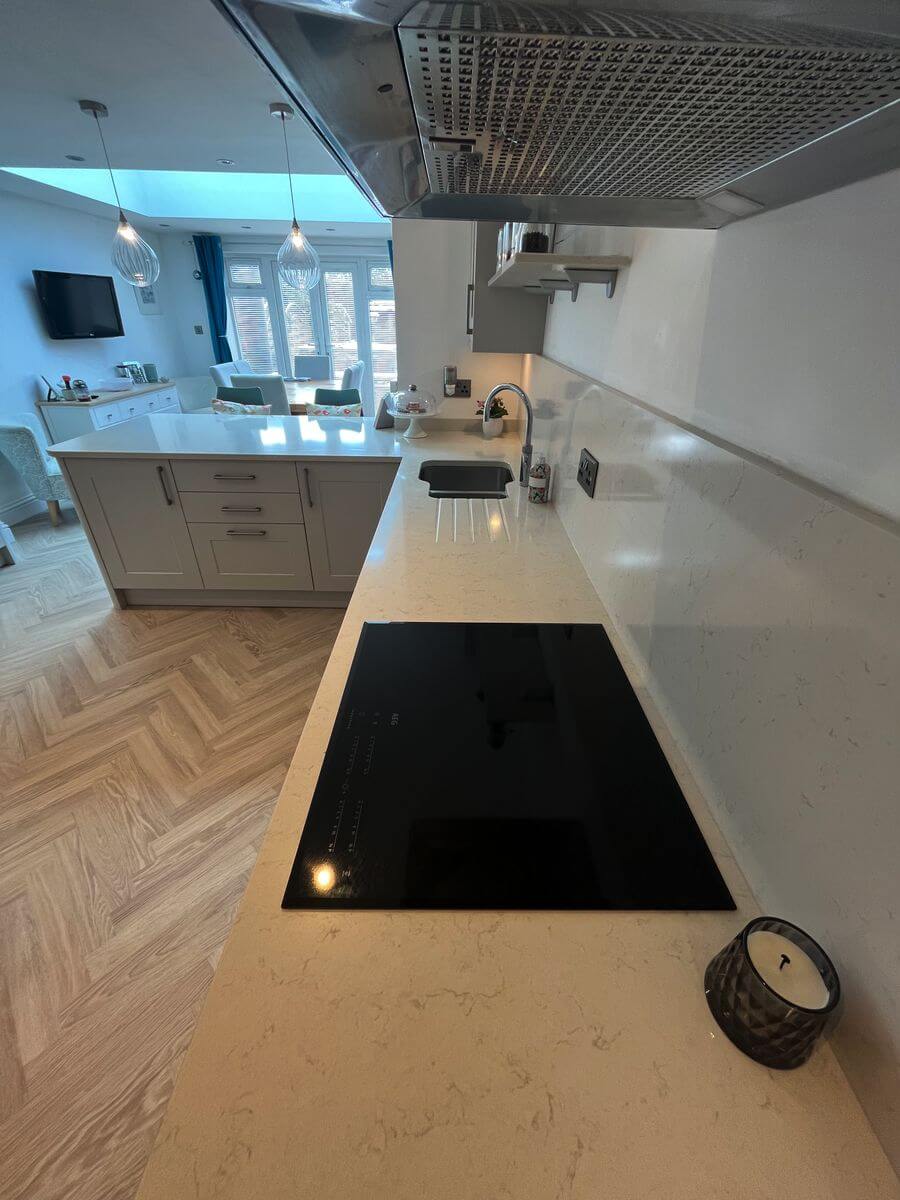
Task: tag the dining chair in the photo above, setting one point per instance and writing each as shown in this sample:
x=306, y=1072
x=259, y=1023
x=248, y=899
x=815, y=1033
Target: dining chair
x=354, y=375
x=222, y=372
x=312, y=366
x=272, y=388
x=24, y=443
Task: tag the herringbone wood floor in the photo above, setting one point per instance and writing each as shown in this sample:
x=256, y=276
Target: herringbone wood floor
x=140, y=757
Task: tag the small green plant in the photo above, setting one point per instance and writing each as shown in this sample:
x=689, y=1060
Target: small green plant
x=498, y=408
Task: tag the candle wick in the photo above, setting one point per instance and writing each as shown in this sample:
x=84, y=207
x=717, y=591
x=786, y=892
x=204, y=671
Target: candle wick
x=784, y=960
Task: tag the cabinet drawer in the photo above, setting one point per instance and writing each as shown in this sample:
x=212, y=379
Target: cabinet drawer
x=105, y=414
x=252, y=556
x=271, y=508
x=160, y=401
x=134, y=406
x=234, y=475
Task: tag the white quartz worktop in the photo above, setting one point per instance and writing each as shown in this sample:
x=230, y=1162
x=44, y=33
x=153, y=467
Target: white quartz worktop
x=481, y=1055
x=214, y=435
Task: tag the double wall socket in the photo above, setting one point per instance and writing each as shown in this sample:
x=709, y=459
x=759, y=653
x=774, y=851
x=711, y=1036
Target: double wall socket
x=587, y=472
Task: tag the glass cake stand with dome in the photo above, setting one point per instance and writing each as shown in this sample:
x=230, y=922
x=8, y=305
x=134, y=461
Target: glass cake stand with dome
x=412, y=404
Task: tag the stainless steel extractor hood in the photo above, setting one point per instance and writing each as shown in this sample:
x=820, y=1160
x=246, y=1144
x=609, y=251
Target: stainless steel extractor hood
x=674, y=113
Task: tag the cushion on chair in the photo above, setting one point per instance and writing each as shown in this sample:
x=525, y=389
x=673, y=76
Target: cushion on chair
x=233, y=406
x=335, y=402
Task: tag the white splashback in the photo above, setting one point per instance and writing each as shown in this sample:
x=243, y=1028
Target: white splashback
x=767, y=620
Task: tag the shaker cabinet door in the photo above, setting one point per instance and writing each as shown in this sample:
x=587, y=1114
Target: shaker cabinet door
x=135, y=516
x=342, y=503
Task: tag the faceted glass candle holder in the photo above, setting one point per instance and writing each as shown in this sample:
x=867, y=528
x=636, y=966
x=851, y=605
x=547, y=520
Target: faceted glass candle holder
x=769, y=1028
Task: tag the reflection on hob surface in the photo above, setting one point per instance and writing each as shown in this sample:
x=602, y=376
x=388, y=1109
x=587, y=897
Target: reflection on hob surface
x=497, y=766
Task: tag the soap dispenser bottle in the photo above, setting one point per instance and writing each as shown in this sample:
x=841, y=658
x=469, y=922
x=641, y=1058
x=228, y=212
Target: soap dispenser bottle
x=539, y=481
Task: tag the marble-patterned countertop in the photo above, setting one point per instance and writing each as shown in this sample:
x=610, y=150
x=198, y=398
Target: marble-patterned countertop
x=486, y=1055
x=216, y=435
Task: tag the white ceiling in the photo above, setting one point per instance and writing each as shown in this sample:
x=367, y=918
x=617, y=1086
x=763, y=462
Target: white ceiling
x=182, y=89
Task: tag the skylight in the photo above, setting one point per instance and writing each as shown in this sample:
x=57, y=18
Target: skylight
x=213, y=194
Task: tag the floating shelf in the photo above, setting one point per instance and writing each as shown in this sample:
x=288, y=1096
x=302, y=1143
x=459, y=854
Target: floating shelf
x=552, y=273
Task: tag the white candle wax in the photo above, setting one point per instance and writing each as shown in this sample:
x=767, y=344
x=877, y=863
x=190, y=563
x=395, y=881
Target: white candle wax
x=796, y=980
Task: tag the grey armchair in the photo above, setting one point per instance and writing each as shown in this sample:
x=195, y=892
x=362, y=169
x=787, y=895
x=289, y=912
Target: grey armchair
x=24, y=443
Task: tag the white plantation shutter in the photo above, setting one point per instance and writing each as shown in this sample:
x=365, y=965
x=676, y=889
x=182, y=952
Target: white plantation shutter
x=340, y=307
x=253, y=324
x=380, y=276
x=251, y=314
x=383, y=335
x=298, y=320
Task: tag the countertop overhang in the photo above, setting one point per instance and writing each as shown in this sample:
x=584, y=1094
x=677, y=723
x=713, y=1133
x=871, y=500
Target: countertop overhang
x=461, y=1055
x=217, y=435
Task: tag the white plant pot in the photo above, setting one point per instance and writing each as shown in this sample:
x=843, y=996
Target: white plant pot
x=492, y=427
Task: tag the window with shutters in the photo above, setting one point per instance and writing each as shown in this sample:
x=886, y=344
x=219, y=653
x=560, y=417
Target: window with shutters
x=251, y=314
x=349, y=316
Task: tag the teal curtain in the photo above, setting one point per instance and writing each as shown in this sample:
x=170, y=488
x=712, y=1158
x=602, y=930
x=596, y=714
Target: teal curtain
x=212, y=268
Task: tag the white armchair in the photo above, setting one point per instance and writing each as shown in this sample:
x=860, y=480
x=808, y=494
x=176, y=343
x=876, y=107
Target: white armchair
x=222, y=372
x=24, y=443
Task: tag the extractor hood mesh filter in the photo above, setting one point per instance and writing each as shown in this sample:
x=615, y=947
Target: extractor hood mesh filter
x=520, y=100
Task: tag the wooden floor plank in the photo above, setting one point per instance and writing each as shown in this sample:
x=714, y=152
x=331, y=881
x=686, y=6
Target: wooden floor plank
x=141, y=753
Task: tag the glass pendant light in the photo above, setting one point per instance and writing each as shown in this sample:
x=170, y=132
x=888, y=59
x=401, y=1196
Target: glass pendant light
x=298, y=263
x=135, y=261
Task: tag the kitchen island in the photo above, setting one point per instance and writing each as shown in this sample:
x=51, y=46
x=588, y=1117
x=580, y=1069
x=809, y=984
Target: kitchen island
x=485, y=1054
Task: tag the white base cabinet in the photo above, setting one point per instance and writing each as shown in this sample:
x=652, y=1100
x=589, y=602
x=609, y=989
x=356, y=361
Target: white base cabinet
x=343, y=503
x=190, y=526
x=135, y=518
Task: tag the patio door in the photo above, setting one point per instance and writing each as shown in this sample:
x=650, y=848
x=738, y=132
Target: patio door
x=338, y=294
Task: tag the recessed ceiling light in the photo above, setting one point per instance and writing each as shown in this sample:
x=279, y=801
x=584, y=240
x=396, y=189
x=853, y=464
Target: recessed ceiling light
x=225, y=162
x=75, y=157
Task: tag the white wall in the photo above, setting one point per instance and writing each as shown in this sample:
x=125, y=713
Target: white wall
x=186, y=308
x=765, y=620
x=50, y=237
x=764, y=613
x=432, y=268
x=779, y=333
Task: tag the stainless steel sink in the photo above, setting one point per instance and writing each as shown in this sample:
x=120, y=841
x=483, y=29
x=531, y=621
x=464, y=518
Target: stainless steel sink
x=466, y=480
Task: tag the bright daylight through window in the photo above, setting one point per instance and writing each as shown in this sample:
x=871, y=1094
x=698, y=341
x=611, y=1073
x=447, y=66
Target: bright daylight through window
x=348, y=316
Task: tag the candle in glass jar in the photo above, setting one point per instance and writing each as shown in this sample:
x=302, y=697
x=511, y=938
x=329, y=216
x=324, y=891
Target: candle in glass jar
x=787, y=969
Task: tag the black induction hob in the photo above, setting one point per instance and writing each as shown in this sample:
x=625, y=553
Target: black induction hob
x=497, y=766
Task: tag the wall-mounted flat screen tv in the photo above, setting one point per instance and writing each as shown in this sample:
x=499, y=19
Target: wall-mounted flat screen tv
x=78, y=306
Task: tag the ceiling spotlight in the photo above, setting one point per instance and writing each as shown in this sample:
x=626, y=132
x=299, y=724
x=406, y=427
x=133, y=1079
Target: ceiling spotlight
x=75, y=157
x=225, y=162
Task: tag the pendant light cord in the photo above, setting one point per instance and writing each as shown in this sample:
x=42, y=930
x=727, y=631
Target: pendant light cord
x=112, y=177
x=287, y=155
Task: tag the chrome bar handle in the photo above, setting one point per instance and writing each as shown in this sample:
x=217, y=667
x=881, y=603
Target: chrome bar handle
x=240, y=508
x=246, y=532
x=224, y=475
x=309, y=498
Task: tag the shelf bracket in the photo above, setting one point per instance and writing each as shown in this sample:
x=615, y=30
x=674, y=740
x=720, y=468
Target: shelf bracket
x=577, y=275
